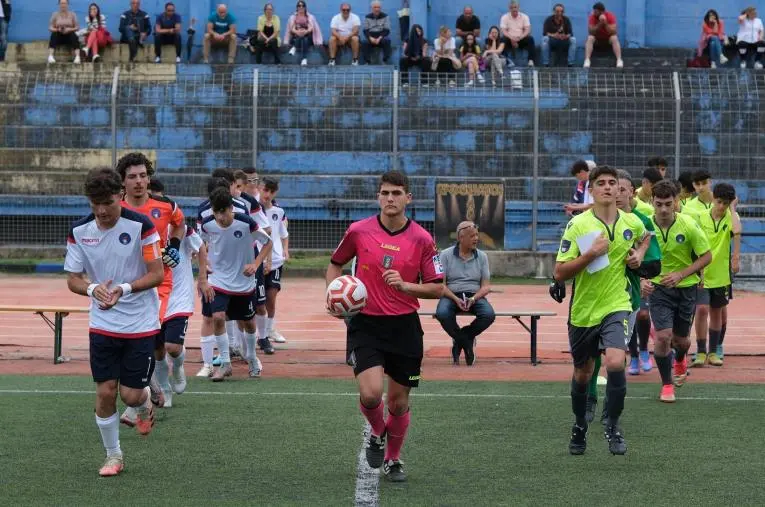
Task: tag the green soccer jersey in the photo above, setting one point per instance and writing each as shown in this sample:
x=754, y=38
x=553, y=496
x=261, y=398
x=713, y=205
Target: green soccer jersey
x=644, y=208
x=606, y=291
x=719, y=233
x=678, y=242
x=652, y=254
x=695, y=207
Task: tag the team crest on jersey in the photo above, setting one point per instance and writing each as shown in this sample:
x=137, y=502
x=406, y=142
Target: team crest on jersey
x=124, y=238
x=237, y=234
x=155, y=212
x=680, y=238
x=387, y=261
x=628, y=234
x=565, y=245
x=274, y=217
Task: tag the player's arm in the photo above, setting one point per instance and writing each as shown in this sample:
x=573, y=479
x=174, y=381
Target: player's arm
x=636, y=255
x=736, y=229
x=432, y=290
x=265, y=252
x=431, y=271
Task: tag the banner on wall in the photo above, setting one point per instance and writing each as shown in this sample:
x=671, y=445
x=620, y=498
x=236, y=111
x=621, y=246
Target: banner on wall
x=482, y=202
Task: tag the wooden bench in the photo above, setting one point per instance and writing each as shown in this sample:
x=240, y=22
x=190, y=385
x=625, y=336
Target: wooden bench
x=57, y=324
x=517, y=315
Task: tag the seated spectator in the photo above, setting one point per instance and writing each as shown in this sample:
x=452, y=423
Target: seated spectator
x=467, y=23
x=302, y=32
x=750, y=38
x=167, y=30
x=602, y=35
x=516, y=31
x=63, y=28
x=135, y=28
x=444, y=59
x=377, y=32
x=558, y=37
x=95, y=35
x=221, y=32
x=268, y=37
x=713, y=38
x=466, y=285
x=5, y=19
x=582, y=200
x=470, y=53
x=345, y=32
x=492, y=54
x=415, y=54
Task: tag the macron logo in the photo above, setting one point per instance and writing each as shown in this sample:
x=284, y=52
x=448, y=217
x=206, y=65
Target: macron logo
x=90, y=241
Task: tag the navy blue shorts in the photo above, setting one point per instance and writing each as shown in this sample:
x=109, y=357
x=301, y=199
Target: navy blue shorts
x=174, y=330
x=237, y=307
x=259, y=295
x=127, y=360
x=274, y=279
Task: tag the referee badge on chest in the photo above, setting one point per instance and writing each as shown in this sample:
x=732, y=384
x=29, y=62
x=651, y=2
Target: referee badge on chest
x=387, y=261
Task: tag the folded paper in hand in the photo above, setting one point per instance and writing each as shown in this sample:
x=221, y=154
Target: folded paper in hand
x=585, y=243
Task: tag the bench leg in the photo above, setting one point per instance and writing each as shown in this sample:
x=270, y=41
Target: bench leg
x=58, y=326
x=534, y=340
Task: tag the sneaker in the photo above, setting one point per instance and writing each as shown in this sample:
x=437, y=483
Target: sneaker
x=452, y=83
x=304, y=62
x=355, y=62
x=469, y=352
x=700, y=360
x=376, y=451
x=177, y=59
x=531, y=64
x=156, y=395
x=757, y=65
x=723, y=60
x=743, y=65
x=128, y=417
x=145, y=423
x=179, y=379
x=77, y=60
x=96, y=58
x=222, y=372
x=331, y=63
x=277, y=337
x=667, y=394
x=394, y=471
x=586, y=64
x=157, y=60
x=51, y=59
x=645, y=361
x=112, y=466
x=254, y=368
x=438, y=82
x=615, y=439
x=481, y=79
x=634, y=368
x=455, y=353
x=493, y=83
x=205, y=371
x=619, y=63
x=469, y=84
x=578, y=443
x=713, y=65
x=168, y=399
x=714, y=359
x=265, y=346
x=293, y=51
x=592, y=405
x=681, y=372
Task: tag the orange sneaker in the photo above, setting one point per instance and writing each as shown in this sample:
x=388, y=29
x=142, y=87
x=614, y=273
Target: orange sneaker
x=145, y=422
x=667, y=393
x=112, y=466
x=681, y=372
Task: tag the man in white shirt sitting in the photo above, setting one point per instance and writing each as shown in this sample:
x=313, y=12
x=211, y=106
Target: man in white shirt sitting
x=345, y=31
x=750, y=38
x=516, y=33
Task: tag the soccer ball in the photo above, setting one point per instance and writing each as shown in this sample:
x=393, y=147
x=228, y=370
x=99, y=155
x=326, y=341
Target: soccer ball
x=346, y=296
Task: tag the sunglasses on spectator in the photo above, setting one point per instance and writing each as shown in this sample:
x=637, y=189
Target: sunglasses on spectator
x=466, y=227
x=346, y=10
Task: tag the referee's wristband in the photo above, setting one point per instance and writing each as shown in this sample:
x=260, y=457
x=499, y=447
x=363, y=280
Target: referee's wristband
x=91, y=288
x=127, y=289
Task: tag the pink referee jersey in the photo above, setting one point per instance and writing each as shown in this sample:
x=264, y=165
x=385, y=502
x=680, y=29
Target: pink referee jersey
x=411, y=251
x=181, y=302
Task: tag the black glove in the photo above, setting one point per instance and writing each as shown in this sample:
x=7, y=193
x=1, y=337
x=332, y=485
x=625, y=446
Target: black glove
x=558, y=291
x=171, y=255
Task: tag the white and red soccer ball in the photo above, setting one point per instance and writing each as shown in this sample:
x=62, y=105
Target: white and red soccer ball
x=346, y=296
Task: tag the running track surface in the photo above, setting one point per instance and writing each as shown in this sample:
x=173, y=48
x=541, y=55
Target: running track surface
x=316, y=341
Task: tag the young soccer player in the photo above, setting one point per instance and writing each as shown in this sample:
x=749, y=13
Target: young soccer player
x=594, y=249
x=702, y=185
x=687, y=192
x=582, y=200
x=280, y=252
x=230, y=286
x=113, y=257
x=673, y=300
x=721, y=224
x=398, y=262
x=659, y=163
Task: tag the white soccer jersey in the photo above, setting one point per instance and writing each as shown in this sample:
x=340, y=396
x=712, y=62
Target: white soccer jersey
x=117, y=254
x=255, y=210
x=278, y=223
x=205, y=210
x=181, y=302
x=229, y=249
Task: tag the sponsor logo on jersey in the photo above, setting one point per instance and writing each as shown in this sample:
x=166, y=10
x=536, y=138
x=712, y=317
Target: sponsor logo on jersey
x=90, y=241
x=124, y=238
x=386, y=246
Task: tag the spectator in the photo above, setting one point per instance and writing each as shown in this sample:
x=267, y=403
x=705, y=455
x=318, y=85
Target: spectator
x=302, y=31
x=558, y=37
x=444, y=60
x=466, y=285
x=5, y=18
x=582, y=200
x=95, y=35
x=602, y=34
x=492, y=54
x=415, y=54
x=467, y=23
x=135, y=28
x=268, y=38
x=63, y=28
x=221, y=32
x=750, y=38
x=345, y=31
x=377, y=32
x=713, y=38
x=470, y=53
x=516, y=30
x=167, y=30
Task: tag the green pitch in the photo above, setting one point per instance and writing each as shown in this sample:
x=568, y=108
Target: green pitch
x=296, y=442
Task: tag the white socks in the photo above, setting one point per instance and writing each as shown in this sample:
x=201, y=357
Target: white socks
x=207, y=343
x=243, y=342
x=269, y=326
x=261, y=326
x=110, y=434
x=163, y=374
x=143, y=408
x=222, y=342
x=178, y=361
x=233, y=334
x=250, y=339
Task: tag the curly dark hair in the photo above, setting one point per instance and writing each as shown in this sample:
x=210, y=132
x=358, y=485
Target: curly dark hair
x=220, y=199
x=101, y=184
x=134, y=159
x=725, y=192
x=664, y=189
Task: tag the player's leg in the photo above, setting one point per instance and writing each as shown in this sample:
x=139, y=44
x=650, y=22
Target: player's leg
x=583, y=345
x=718, y=300
x=233, y=337
x=136, y=369
x=399, y=416
x=634, y=367
x=207, y=338
x=484, y=317
x=160, y=380
x=105, y=357
x=614, y=338
x=643, y=325
x=175, y=335
x=702, y=326
x=261, y=315
x=273, y=287
x=368, y=368
x=446, y=314
x=592, y=391
x=664, y=302
x=222, y=342
x=723, y=328
x=681, y=331
x=254, y=366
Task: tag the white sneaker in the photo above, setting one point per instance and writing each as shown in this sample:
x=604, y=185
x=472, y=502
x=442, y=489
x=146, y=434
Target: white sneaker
x=481, y=79
x=531, y=63
x=713, y=65
x=452, y=83
x=276, y=336
x=757, y=65
x=179, y=380
x=86, y=51
x=293, y=51
x=587, y=64
x=96, y=58
x=743, y=64
x=177, y=59
x=77, y=60
x=619, y=63
x=157, y=59
x=438, y=82
x=723, y=60
x=206, y=371
x=129, y=417
x=168, y=399
x=355, y=63
x=469, y=84
x=255, y=368
x=304, y=62
x=331, y=63
x=51, y=59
